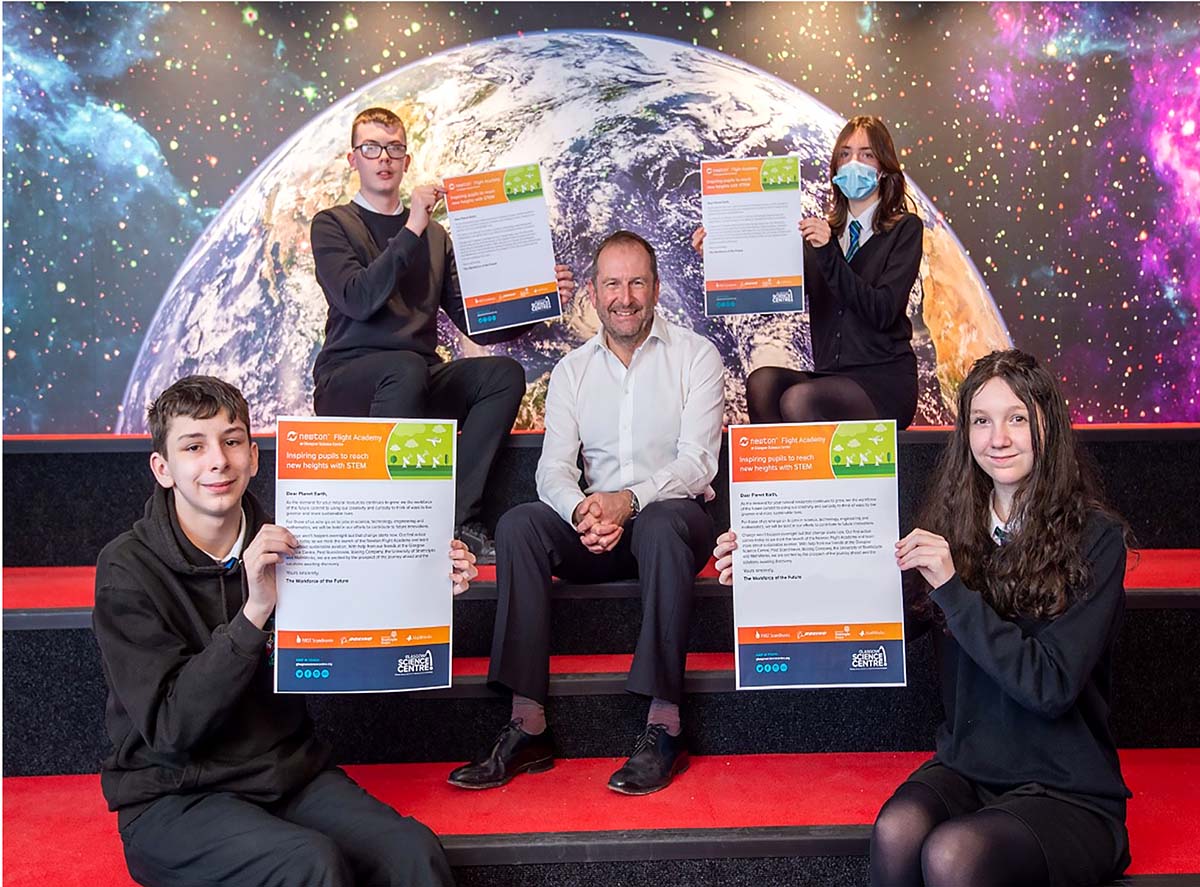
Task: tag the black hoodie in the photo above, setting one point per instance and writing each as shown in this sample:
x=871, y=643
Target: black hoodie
x=191, y=701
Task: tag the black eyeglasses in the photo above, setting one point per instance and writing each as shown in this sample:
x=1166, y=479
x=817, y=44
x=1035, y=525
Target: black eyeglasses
x=372, y=150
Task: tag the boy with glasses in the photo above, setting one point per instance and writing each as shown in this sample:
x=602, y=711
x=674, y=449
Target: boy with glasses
x=386, y=270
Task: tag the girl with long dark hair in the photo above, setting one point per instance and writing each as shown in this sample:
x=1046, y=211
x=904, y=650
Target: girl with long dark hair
x=1020, y=567
x=860, y=264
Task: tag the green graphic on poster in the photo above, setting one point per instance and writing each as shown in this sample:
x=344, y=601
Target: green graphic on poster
x=863, y=449
x=421, y=451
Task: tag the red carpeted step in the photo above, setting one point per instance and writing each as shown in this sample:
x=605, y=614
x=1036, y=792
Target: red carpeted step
x=57, y=830
x=608, y=663
x=33, y=588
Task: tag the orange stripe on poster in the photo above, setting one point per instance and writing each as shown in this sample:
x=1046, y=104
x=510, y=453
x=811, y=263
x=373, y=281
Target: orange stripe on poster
x=751, y=283
x=360, y=640
x=476, y=190
x=731, y=177
x=523, y=292
x=332, y=450
x=803, y=634
x=780, y=452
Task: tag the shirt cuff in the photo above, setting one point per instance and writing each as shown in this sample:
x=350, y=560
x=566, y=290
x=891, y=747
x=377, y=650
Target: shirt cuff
x=646, y=493
x=566, y=507
x=247, y=638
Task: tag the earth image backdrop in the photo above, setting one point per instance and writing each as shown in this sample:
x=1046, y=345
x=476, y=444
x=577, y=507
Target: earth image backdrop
x=620, y=124
x=161, y=162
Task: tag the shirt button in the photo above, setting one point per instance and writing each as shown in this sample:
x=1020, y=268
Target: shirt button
x=841, y=311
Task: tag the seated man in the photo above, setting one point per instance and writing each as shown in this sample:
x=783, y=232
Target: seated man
x=385, y=271
x=644, y=400
x=215, y=778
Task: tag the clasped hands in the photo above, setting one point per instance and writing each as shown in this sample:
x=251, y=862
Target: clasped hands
x=600, y=520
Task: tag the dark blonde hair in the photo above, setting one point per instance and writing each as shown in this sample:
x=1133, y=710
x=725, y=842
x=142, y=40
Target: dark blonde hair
x=382, y=116
x=197, y=397
x=893, y=196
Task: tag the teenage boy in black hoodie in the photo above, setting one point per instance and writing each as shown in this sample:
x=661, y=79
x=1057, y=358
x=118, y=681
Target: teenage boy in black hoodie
x=215, y=778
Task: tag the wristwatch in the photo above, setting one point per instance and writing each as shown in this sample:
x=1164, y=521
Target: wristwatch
x=634, y=505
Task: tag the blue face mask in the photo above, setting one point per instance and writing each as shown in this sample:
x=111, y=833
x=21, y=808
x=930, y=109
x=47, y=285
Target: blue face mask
x=856, y=180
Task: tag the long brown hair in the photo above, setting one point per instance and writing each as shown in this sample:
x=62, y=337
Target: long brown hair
x=892, y=192
x=1042, y=569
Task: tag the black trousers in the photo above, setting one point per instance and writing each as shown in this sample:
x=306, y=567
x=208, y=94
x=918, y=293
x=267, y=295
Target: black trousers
x=329, y=834
x=665, y=547
x=482, y=393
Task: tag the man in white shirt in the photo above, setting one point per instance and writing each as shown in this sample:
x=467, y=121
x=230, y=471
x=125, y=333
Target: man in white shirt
x=644, y=400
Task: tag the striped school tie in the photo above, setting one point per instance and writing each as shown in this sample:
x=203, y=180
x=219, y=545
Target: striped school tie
x=1002, y=535
x=855, y=230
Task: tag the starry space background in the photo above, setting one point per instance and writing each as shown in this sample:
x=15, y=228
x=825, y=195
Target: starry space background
x=1060, y=141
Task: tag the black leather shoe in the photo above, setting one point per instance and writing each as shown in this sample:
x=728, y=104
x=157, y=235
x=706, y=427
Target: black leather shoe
x=656, y=759
x=514, y=752
x=477, y=538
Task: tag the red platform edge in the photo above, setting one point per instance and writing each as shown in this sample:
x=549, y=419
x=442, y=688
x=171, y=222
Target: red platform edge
x=60, y=824
x=39, y=588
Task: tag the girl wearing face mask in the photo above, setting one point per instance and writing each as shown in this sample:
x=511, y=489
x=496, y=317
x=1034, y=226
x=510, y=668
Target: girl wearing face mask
x=860, y=264
x=1018, y=566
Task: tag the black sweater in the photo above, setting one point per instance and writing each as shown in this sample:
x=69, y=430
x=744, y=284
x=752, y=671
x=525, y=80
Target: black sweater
x=191, y=701
x=1027, y=701
x=858, y=312
x=385, y=298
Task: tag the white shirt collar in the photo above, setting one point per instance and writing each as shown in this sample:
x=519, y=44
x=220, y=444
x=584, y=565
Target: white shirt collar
x=996, y=523
x=236, y=551
x=659, y=329
x=366, y=204
x=866, y=219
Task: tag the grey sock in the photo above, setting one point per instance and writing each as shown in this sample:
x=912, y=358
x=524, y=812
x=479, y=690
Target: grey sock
x=665, y=713
x=531, y=713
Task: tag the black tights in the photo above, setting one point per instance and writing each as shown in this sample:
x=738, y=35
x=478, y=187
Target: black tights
x=778, y=394
x=916, y=842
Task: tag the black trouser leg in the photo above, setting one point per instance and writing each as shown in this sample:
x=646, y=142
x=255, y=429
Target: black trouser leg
x=386, y=384
x=532, y=543
x=484, y=394
x=331, y=833
x=381, y=846
x=671, y=541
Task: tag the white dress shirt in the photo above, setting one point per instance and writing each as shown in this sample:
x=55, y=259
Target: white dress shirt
x=866, y=219
x=653, y=428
